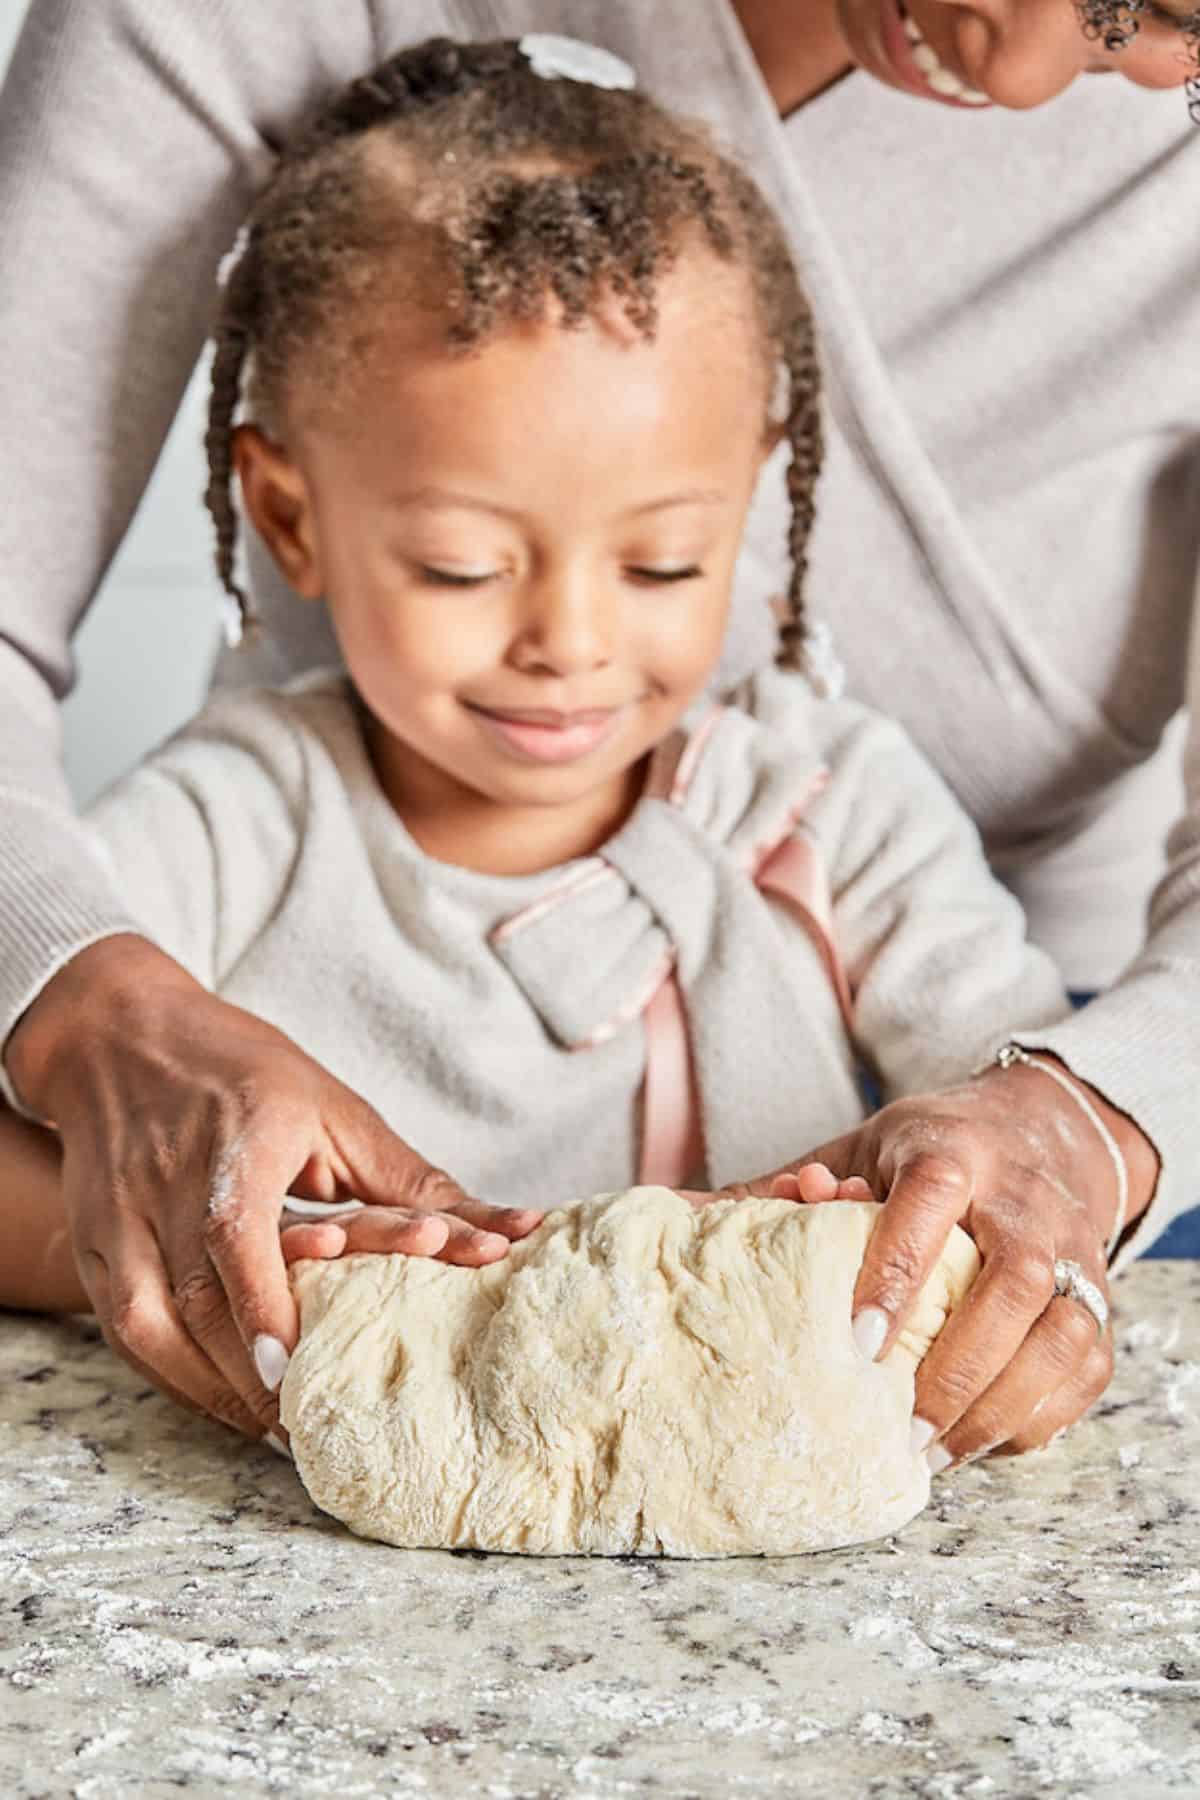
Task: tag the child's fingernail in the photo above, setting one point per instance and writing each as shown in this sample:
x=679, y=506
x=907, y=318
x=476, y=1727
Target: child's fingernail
x=921, y=1435
x=277, y=1445
x=869, y=1330
x=939, y=1458
x=271, y=1361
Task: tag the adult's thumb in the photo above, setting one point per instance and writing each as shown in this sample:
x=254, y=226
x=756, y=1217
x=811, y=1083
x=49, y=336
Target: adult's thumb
x=384, y=1170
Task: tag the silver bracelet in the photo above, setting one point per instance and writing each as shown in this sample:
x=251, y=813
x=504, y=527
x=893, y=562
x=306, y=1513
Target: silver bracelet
x=1009, y=1054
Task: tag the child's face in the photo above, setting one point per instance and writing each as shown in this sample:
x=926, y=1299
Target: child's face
x=529, y=551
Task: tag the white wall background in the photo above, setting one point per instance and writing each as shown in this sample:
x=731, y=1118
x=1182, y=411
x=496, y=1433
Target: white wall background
x=147, y=645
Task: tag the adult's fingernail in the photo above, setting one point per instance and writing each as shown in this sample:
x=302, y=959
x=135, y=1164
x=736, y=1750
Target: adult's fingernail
x=868, y=1331
x=271, y=1361
x=321, y=1209
x=277, y=1445
x=938, y=1458
x=921, y=1435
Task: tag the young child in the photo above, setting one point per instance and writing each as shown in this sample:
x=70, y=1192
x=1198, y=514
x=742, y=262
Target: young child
x=513, y=344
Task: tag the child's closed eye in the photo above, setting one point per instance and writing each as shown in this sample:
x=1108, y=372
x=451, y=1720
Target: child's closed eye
x=459, y=578
x=692, y=572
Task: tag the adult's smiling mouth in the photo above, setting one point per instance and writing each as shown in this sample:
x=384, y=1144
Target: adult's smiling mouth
x=917, y=64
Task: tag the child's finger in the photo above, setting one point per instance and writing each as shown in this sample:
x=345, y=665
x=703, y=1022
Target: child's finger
x=384, y=1231
x=509, y=1221
x=468, y=1246
x=855, y=1188
x=320, y=1241
x=810, y=1184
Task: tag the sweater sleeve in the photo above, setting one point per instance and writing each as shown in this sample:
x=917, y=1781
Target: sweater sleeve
x=1138, y=1044
x=935, y=948
x=202, y=838
x=132, y=136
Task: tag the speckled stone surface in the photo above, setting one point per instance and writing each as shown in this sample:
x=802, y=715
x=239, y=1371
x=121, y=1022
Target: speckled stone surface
x=175, y=1615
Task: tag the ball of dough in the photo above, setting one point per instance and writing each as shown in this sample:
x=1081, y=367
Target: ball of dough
x=636, y=1376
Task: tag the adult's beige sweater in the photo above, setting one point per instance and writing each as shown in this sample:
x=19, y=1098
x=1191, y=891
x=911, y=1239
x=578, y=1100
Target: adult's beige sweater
x=1009, y=529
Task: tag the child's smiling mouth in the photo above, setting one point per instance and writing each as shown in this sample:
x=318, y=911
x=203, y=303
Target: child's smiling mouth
x=543, y=736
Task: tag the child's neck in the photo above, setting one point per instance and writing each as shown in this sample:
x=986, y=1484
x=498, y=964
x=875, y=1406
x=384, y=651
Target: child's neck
x=453, y=825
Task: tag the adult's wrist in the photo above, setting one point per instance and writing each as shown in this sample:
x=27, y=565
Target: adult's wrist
x=90, y=1000
x=1142, y=1162
x=1136, y=1151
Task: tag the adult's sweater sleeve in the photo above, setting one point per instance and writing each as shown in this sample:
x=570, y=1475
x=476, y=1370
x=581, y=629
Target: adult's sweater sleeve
x=1139, y=1042
x=935, y=948
x=132, y=136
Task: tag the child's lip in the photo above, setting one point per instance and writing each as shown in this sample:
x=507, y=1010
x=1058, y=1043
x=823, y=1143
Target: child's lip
x=543, y=736
x=561, y=721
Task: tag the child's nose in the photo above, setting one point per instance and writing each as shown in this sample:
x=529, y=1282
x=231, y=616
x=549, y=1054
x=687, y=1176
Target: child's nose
x=571, y=626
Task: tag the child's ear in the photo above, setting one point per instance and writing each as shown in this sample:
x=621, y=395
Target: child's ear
x=774, y=433
x=275, y=496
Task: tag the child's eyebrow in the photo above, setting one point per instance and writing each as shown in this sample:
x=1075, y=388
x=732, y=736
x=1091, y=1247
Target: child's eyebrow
x=692, y=497
x=433, y=499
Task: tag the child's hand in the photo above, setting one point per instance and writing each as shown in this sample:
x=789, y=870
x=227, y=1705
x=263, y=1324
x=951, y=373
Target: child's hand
x=812, y=1183
x=815, y=1183
x=470, y=1234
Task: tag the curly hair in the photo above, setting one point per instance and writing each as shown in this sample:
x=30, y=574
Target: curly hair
x=456, y=179
x=1115, y=24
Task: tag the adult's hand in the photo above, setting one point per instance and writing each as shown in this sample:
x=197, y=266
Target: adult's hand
x=183, y=1122
x=1014, y=1160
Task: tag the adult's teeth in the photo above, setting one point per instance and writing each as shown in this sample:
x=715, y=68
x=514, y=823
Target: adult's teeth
x=938, y=78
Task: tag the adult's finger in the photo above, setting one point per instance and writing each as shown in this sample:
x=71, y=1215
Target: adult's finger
x=131, y=1298
x=1049, y=1383
x=962, y=1390
x=928, y=1194
x=1069, y=1402
x=227, y=1271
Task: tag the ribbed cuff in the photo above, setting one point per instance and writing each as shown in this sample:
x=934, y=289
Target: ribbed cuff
x=56, y=899
x=1139, y=1046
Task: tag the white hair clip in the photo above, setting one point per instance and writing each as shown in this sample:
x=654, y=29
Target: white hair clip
x=233, y=256
x=567, y=59
x=822, y=665
x=233, y=622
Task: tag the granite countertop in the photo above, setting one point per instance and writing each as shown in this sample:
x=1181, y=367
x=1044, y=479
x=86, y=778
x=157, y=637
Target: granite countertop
x=175, y=1614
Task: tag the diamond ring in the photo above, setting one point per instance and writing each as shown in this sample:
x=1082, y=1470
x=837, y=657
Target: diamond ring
x=1070, y=1280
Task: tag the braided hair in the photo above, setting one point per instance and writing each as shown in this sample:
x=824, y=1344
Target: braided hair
x=455, y=179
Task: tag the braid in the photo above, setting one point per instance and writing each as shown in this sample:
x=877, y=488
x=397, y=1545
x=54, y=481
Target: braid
x=806, y=438
x=425, y=76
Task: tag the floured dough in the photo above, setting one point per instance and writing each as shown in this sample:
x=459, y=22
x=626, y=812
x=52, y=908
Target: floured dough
x=636, y=1376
